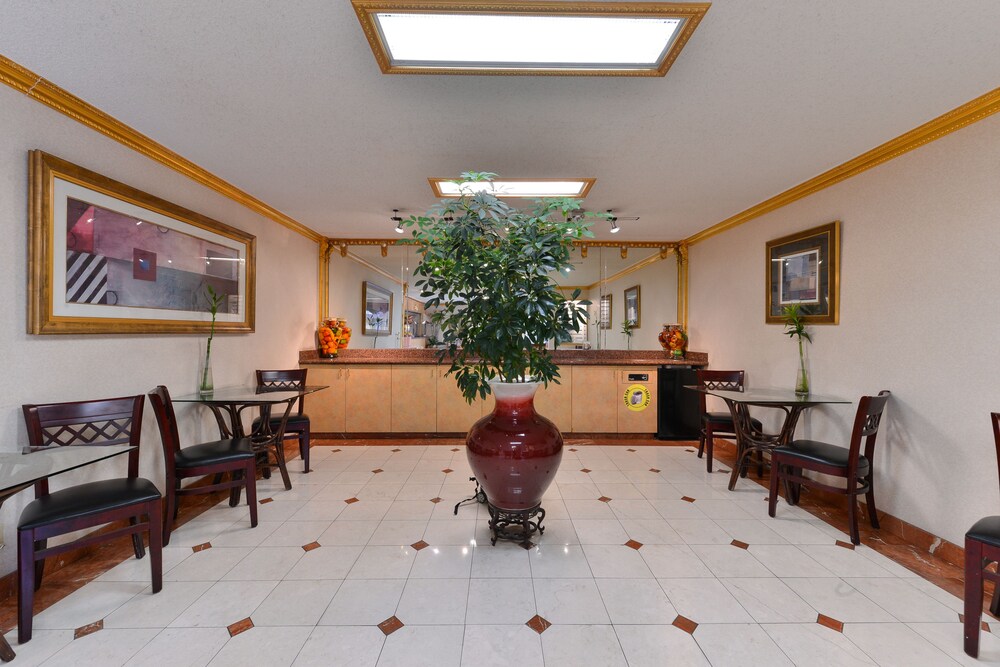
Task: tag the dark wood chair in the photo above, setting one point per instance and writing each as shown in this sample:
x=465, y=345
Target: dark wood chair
x=114, y=421
x=789, y=461
x=235, y=456
x=982, y=548
x=720, y=423
x=298, y=423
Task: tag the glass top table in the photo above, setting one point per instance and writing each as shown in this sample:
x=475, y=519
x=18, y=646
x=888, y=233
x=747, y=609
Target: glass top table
x=228, y=404
x=18, y=471
x=748, y=438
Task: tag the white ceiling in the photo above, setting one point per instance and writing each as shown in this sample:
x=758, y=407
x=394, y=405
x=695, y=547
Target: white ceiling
x=285, y=100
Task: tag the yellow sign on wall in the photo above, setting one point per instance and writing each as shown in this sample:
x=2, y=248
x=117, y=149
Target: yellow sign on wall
x=636, y=397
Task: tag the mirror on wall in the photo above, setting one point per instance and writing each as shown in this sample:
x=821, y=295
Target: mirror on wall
x=642, y=280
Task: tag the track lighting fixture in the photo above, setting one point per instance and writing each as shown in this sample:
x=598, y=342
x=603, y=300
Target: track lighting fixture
x=398, y=220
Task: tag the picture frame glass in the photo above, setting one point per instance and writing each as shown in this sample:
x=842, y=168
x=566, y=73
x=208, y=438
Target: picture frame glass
x=803, y=270
x=633, y=306
x=376, y=304
x=605, y=313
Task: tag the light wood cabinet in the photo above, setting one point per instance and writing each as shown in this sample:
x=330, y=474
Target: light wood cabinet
x=594, y=394
x=368, y=403
x=454, y=414
x=327, y=408
x=555, y=402
x=636, y=421
x=414, y=399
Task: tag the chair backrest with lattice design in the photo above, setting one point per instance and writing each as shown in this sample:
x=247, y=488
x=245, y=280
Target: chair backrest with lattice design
x=722, y=380
x=284, y=380
x=109, y=421
x=866, y=425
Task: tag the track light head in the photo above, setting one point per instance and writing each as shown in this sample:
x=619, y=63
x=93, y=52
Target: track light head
x=398, y=220
x=613, y=219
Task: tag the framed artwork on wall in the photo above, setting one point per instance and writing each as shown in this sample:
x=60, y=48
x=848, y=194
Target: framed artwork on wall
x=605, y=312
x=633, y=307
x=804, y=269
x=104, y=257
x=376, y=304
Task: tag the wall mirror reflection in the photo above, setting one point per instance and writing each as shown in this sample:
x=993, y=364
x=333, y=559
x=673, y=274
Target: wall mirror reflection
x=602, y=276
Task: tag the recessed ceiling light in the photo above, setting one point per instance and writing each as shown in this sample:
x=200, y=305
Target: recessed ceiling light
x=520, y=37
x=515, y=187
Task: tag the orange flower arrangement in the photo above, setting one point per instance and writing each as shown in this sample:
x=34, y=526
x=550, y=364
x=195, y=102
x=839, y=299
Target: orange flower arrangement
x=333, y=335
x=674, y=340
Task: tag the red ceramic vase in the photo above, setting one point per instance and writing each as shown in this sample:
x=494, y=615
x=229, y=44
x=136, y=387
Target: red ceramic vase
x=514, y=452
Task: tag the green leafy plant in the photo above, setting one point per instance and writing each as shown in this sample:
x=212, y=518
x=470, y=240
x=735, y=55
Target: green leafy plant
x=214, y=301
x=627, y=326
x=486, y=270
x=795, y=327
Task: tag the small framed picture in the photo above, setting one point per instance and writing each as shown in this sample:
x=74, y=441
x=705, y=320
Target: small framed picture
x=803, y=269
x=605, y=312
x=376, y=301
x=633, y=307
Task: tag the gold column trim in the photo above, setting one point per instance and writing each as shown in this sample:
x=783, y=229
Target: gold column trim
x=963, y=116
x=683, y=260
x=42, y=90
x=323, y=280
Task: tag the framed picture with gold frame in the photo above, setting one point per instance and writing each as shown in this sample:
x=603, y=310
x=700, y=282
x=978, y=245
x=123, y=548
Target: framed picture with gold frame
x=605, y=312
x=104, y=257
x=376, y=304
x=803, y=269
x=633, y=306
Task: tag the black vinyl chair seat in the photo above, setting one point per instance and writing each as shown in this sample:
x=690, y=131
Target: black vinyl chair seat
x=211, y=453
x=723, y=421
x=295, y=423
x=87, y=499
x=814, y=451
x=986, y=530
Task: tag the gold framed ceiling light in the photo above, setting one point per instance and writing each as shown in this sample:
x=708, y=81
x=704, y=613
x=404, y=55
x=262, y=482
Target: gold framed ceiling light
x=524, y=37
x=531, y=188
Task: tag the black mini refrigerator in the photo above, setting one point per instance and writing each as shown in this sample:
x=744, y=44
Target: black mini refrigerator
x=677, y=412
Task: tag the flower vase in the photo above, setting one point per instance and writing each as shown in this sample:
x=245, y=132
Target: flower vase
x=206, y=385
x=802, y=376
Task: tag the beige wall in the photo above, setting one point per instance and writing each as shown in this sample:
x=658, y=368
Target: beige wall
x=346, y=277
x=61, y=368
x=657, y=306
x=919, y=316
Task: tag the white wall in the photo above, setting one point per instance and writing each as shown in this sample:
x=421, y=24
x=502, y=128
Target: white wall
x=657, y=306
x=346, y=278
x=919, y=316
x=42, y=369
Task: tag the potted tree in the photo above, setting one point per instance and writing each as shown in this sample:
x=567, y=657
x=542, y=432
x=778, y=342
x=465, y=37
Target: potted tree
x=486, y=270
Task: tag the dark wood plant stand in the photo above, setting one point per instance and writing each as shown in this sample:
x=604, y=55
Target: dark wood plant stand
x=516, y=525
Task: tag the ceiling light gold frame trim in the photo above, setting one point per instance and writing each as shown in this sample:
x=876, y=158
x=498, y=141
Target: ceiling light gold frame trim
x=42, y=90
x=963, y=116
x=690, y=12
x=588, y=183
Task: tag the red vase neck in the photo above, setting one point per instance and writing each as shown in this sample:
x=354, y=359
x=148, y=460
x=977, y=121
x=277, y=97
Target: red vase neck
x=514, y=399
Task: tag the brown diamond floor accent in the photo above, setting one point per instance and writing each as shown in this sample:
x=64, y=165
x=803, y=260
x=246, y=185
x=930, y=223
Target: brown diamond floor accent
x=88, y=629
x=392, y=450
x=685, y=624
x=629, y=450
x=984, y=625
x=390, y=625
x=436, y=500
x=689, y=450
x=377, y=470
x=829, y=622
x=634, y=544
x=572, y=450
x=741, y=545
x=352, y=500
x=456, y=450
x=201, y=547
x=240, y=626
x=419, y=545
x=604, y=499
x=538, y=624
x=527, y=545
x=654, y=470
x=447, y=470
x=264, y=501
x=687, y=499
x=310, y=546
x=584, y=469
x=846, y=545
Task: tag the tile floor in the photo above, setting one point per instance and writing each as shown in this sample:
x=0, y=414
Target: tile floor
x=363, y=563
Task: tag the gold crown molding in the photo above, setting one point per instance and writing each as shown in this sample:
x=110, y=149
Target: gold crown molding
x=588, y=183
x=42, y=90
x=692, y=12
x=963, y=116
x=664, y=246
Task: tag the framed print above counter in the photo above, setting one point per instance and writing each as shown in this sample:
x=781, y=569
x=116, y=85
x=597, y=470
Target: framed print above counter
x=104, y=257
x=804, y=269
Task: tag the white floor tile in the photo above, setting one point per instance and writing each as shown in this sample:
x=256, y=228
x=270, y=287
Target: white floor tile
x=669, y=561
x=636, y=601
x=433, y=602
x=325, y=563
x=700, y=531
x=265, y=564
x=423, y=646
x=616, y=561
x=383, y=563
x=558, y=561
x=135, y=569
x=296, y=533
x=950, y=639
x=442, y=562
x=43, y=645
x=895, y=644
x=704, y=601
x=582, y=646
x=107, y=647
x=344, y=646
x=739, y=646
x=730, y=561
x=814, y=644
x=903, y=601
x=364, y=602
x=224, y=603
x=501, y=646
x=770, y=600
x=659, y=645
x=181, y=647
x=348, y=533
x=275, y=647
x=505, y=560
x=208, y=564
x=570, y=601
x=788, y=560
x=836, y=598
x=295, y=603
x=500, y=602
x=87, y=605
x=397, y=533
x=651, y=531
x=149, y=610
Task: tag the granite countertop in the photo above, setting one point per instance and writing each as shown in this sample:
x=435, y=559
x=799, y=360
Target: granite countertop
x=561, y=357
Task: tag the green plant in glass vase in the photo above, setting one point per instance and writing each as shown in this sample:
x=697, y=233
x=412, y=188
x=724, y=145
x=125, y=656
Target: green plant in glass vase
x=486, y=270
x=795, y=327
x=206, y=384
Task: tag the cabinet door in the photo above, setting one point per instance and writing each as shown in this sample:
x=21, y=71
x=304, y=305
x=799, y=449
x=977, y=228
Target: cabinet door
x=369, y=402
x=595, y=406
x=414, y=399
x=454, y=415
x=556, y=401
x=637, y=421
x=326, y=408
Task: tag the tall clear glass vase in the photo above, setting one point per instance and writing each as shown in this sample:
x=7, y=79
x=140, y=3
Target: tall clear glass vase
x=802, y=377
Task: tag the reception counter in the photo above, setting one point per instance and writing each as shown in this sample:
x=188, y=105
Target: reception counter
x=406, y=392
